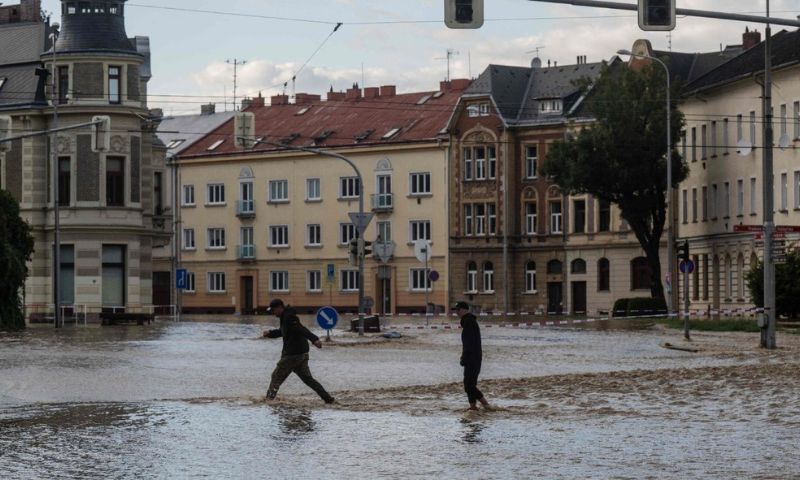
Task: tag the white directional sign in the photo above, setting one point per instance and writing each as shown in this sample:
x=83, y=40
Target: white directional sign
x=361, y=220
x=422, y=250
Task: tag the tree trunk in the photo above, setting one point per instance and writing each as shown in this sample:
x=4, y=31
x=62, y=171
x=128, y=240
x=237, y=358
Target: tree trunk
x=656, y=288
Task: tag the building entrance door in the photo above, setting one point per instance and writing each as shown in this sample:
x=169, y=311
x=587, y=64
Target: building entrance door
x=162, y=292
x=555, y=295
x=247, y=296
x=384, y=306
x=579, y=298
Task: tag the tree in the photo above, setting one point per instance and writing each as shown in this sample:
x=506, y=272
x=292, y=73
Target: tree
x=787, y=284
x=621, y=157
x=16, y=247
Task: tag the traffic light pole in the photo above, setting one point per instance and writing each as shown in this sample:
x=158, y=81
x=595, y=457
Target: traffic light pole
x=360, y=214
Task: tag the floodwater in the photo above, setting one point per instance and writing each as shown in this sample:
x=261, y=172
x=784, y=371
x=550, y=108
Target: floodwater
x=185, y=400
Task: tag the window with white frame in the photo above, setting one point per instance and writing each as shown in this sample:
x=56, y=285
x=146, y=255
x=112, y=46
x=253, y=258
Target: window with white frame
x=314, y=281
x=349, y=187
x=420, y=183
x=419, y=229
x=683, y=144
x=714, y=138
x=348, y=280
x=347, y=232
x=797, y=189
x=278, y=235
x=739, y=128
x=488, y=277
x=216, y=282
x=784, y=191
x=188, y=239
x=753, y=128
x=555, y=217
x=279, y=281
x=420, y=279
x=753, y=199
x=215, y=194
x=739, y=197
x=491, y=158
x=484, y=109
x=530, y=277
x=531, y=157
x=480, y=219
x=188, y=196
x=468, y=219
x=685, y=206
x=694, y=205
x=783, y=119
x=278, y=191
x=467, y=163
x=472, y=277
x=480, y=163
x=313, y=235
x=190, y=283
x=313, y=189
x=384, y=231
x=530, y=218
x=796, y=119
x=216, y=238
x=491, y=216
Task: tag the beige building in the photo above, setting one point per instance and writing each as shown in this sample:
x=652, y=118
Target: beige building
x=724, y=146
x=266, y=222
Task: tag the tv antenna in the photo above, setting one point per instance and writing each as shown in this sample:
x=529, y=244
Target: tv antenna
x=235, y=62
x=536, y=49
x=450, y=53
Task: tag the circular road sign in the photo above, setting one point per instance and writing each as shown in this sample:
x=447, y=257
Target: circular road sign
x=327, y=318
x=434, y=275
x=686, y=266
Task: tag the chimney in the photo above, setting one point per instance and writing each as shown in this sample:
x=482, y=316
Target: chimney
x=208, y=109
x=388, y=91
x=246, y=102
x=460, y=83
x=335, y=96
x=306, y=98
x=750, y=39
x=258, y=101
x=371, y=92
x=279, y=100
x=353, y=93
x=444, y=86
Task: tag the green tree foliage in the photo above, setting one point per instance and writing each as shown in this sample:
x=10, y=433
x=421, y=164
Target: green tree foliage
x=16, y=247
x=621, y=158
x=787, y=284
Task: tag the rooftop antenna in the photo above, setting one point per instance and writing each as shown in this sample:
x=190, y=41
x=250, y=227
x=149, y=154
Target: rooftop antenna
x=235, y=62
x=450, y=53
x=536, y=49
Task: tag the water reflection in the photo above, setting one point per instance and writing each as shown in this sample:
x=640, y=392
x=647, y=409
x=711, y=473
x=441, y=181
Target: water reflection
x=295, y=423
x=471, y=432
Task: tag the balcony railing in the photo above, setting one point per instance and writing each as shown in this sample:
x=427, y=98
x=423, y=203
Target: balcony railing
x=246, y=253
x=382, y=202
x=245, y=208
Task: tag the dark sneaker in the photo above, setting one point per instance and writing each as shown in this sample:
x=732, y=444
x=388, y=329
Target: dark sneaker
x=330, y=401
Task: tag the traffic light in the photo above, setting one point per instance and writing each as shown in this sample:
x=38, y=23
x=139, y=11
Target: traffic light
x=658, y=15
x=101, y=133
x=463, y=13
x=353, y=251
x=683, y=251
x=5, y=132
x=367, y=248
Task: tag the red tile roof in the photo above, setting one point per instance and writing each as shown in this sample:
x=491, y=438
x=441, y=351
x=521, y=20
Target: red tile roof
x=343, y=122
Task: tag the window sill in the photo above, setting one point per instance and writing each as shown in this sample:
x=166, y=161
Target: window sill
x=278, y=247
x=277, y=202
x=347, y=199
x=216, y=249
x=215, y=204
x=313, y=246
x=535, y=292
x=189, y=205
x=420, y=195
x=279, y=291
x=315, y=292
x=487, y=292
x=313, y=200
x=194, y=249
x=753, y=214
x=783, y=210
x=223, y=292
x=188, y=292
x=726, y=153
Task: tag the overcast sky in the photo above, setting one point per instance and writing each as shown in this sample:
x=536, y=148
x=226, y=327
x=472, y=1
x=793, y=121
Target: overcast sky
x=190, y=48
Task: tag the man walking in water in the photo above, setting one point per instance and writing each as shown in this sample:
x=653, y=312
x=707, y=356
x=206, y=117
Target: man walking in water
x=471, y=355
x=294, y=357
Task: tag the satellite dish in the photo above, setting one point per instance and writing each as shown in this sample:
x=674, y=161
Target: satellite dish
x=784, y=141
x=743, y=147
x=422, y=250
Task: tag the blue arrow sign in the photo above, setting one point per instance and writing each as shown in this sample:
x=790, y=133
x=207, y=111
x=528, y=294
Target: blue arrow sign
x=327, y=318
x=180, y=278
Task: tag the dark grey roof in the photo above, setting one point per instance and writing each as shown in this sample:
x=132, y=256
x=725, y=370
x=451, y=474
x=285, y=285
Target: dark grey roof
x=21, y=42
x=505, y=84
x=189, y=128
x=555, y=83
x=20, y=86
x=691, y=66
x=94, y=32
x=785, y=52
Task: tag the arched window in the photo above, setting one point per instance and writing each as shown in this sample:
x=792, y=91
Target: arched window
x=472, y=277
x=640, y=274
x=741, y=276
x=554, y=267
x=578, y=266
x=728, y=277
x=488, y=277
x=603, y=275
x=530, y=277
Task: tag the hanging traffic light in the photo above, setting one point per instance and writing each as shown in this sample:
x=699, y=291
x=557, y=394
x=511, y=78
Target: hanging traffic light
x=353, y=251
x=463, y=13
x=657, y=15
x=367, y=248
x=683, y=251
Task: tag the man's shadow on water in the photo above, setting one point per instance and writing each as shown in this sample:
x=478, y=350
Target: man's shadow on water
x=471, y=432
x=294, y=423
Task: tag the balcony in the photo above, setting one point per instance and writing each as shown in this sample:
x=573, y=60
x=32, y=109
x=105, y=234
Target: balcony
x=382, y=202
x=246, y=253
x=245, y=209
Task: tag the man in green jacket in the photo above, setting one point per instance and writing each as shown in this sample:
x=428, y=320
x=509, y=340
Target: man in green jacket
x=294, y=357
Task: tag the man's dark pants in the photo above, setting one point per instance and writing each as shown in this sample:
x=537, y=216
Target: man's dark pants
x=299, y=365
x=471, y=372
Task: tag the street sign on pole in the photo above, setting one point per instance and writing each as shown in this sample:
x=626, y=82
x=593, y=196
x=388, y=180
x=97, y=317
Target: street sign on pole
x=180, y=278
x=686, y=266
x=361, y=220
x=327, y=318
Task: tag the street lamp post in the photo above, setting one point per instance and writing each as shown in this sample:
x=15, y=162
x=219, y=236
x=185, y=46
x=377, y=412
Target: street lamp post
x=56, y=213
x=670, y=232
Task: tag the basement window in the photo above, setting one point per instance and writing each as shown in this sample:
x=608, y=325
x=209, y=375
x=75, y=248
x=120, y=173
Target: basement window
x=215, y=145
x=391, y=133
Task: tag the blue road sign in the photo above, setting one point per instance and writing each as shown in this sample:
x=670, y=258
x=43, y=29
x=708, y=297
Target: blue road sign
x=180, y=278
x=327, y=317
x=686, y=266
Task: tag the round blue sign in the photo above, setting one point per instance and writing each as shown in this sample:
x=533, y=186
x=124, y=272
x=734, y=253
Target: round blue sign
x=327, y=318
x=686, y=266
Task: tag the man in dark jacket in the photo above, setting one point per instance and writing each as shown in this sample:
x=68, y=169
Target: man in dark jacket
x=294, y=357
x=471, y=355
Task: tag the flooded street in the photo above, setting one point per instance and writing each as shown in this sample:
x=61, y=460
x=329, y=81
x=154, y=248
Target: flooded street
x=185, y=400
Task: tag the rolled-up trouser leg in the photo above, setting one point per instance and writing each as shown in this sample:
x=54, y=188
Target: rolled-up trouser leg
x=282, y=370
x=302, y=371
x=471, y=382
